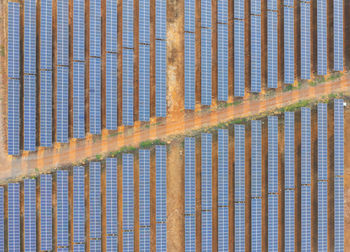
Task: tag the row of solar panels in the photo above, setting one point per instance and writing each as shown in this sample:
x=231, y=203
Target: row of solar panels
x=273, y=193
x=43, y=229
x=45, y=130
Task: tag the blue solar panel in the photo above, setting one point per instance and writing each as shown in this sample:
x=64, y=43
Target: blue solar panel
x=289, y=150
x=112, y=243
x=338, y=137
x=128, y=87
x=272, y=4
x=161, y=237
x=29, y=122
x=222, y=167
x=145, y=242
x=321, y=37
x=207, y=231
x=255, y=7
x=62, y=104
x=2, y=226
x=339, y=214
x=46, y=212
x=272, y=49
x=338, y=34
x=239, y=9
x=111, y=26
x=79, y=30
x=272, y=222
x=205, y=13
x=95, y=245
x=95, y=28
x=305, y=146
x=144, y=82
x=190, y=233
x=63, y=249
x=161, y=19
x=144, y=199
x=46, y=34
x=128, y=194
x=161, y=70
x=13, y=40
x=239, y=62
x=288, y=45
x=190, y=176
x=128, y=241
x=305, y=40
x=95, y=95
x=78, y=100
x=62, y=33
x=190, y=15
x=289, y=220
x=128, y=23
x=256, y=158
x=222, y=11
x=322, y=215
x=95, y=200
x=255, y=53
x=79, y=247
x=206, y=66
x=322, y=141
x=161, y=160
x=256, y=224
x=46, y=108
x=144, y=21
x=223, y=229
x=239, y=162
x=62, y=209
x=240, y=227
x=206, y=174
x=272, y=154
x=190, y=71
x=222, y=62
x=13, y=217
x=111, y=197
x=29, y=215
x=29, y=36
x=13, y=117
x=306, y=218
x=78, y=204
x=111, y=91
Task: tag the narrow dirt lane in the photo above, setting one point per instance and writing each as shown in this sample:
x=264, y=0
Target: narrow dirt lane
x=175, y=124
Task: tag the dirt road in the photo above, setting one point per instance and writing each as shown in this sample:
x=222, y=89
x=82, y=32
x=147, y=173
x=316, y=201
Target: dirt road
x=48, y=159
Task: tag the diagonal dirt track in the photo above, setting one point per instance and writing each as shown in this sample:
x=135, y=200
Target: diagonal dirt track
x=175, y=124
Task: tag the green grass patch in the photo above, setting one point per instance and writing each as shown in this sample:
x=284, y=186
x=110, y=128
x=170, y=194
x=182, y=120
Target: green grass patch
x=150, y=143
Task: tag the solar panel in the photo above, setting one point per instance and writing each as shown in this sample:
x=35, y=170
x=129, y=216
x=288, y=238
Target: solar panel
x=161, y=9
x=322, y=215
x=128, y=87
x=338, y=214
x=128, y=23
x=161, y=160
x=305, y=218
x=338, y=34
x=190, y=70
x=206, y=172
x=190, y=233
x=13, y=217
x=78, y=100
x=79, y=30
x=289, y=150
x=62, y=213
x=46, y=34
x=112, y=243
x=272, y=4
x=305, y=40
x=288, y=45
x=289, y=220
x=62, y=33
x=95, y=95
x=255, y=53
x=144, y=21
x=29, y=36
x=222, y=16
x=128, y=241
x=190, y=15
x=322, y=141
x=206, y=66
x=256, y=158
x=144, y=82
x=161, y=68
x=272, y=154
x=223, y=229
x=95, y=245
x=239, y=9
x=321, y=37
x=111, y=26
x=239, y=63
x=13, y=40
x=46, y=212
x=62, y=104
x=79, y=247
x=272, y=222
x=128, y=196
x=29, y=215
x=222, y=62
x=78, y=204
x=111, y=197
x=46, y=108
x=95, y=28
x=144, y=199
x=161, y=237
x=338, y=137
x=255, y=7
x=272, y=48
x=239, y=162
x=207, y=230
x=305, y=146
x=145, y=243
x=222, y=167
x=256, y=224
x=2, y=226
x=190, y=176
x=111, y=91
x=29, y=122
x=63, y=249
x=240, y=227
x=95, y=200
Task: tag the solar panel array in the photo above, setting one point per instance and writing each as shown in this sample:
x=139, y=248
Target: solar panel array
x=46, y=212
x=272, y=44
x=2, y=224
x=289, y=150
x=239, y=59
x=128, y=202
x=13, y=217
x=95, y=205
x=288, y=42
x=222, y=50
x=95, y=95
x=62, y=213
x=321, y=37
x=29, y=215
x=305, y=41
x=338, y=34
x=322, y=141
x=111, y=204
x=78, y=207
x=256, y=227
x=255, y=35
x=128, y=86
